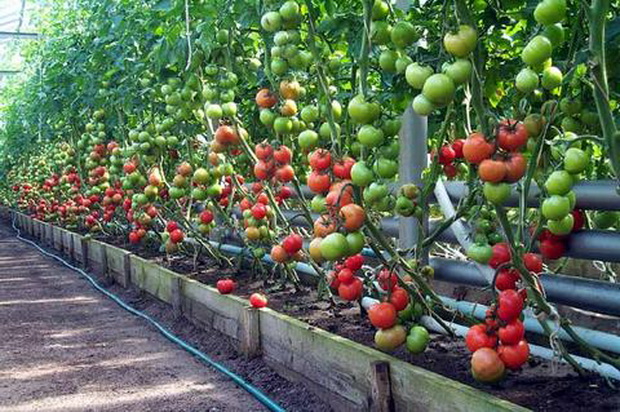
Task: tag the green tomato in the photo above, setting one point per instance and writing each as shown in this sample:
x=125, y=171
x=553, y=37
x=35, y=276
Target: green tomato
x=497, y=193
x=555, y=207
x=380, y=32
x=418, y=339
x=461, y=43
x=527, y=80
x=439, y=89
x=370, y=136
x=562, y=226
x=537, y=51
x=318, y=204
x=480, y=253
x=283, y=125
x=356, y=242
x=334, y=246
x=575, y=160
x=459, y=71
x=570, y=107
x=416, y=75
x=422, y=106
x=375, y=192
x=555, y=34
x=380, y=10
x=214, y=111
x=550, y=12
x=402, y=63
x=310, y=114
x=404, y=206
x=403, y=34
x=361, y=175
x=308, y=139
x=389, y=339
x=551, y=78
x=271, y=21
x=559, y=183
x=387, y=60
x=385, y=168
x=570, y=124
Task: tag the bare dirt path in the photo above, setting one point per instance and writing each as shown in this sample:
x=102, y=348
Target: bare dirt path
x=65, y=347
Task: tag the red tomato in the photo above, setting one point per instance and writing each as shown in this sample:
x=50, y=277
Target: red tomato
x=206, y=216
x=320, y=159
x=477, y=337
x=382, y=315
x=342, y=168
x=283, y=155
x=176, y=236
x=225, y=286
x=446, y=155
x=578, y=220
x=513, y=356
x=533, y=262
x=486, y=365
x=285, y=173
x=501, y=255
x=476, y=148
x=354, y=262
x=512, y=333
x=510, y=305
x=263, y=151
x=353, y=217
x=292, y=243
x=319, y=182
x=387, y=280
x=457, y=146
x=258, y=300
x=515, y=167
x=345, y=275
x=450, y=171
x=171, y=226
x=552, y=249
x=399, y=298
x=351, y=291
x=259, y=211
x=511, y=135
x=506, y=279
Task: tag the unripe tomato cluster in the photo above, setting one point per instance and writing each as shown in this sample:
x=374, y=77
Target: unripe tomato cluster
x=438, y=89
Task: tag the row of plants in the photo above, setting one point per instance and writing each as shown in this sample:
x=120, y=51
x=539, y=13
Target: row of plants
x=175, y=122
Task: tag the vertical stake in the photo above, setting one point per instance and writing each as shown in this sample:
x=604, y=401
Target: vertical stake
x=412, y=162
x=249, y=331
x=381, y=387
x=84, y=248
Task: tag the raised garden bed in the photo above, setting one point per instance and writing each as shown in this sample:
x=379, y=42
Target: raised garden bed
x=345, y=372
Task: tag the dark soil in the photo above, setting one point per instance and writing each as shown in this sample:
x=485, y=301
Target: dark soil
x=541, y=386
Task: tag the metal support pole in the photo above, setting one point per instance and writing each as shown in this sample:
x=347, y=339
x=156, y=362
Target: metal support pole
x=413, y=160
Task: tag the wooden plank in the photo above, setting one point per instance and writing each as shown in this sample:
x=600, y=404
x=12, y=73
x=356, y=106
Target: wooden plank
x=152, y=278
x=126, y=280
x=380, y=387
x=249, y=333
x=175, y=296
x=116, y=263
x=96, y=256
x=57, y=238
x=206, y=307
x=84, y=252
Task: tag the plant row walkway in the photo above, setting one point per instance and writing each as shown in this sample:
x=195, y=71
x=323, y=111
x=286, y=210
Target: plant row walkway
x=64, y=347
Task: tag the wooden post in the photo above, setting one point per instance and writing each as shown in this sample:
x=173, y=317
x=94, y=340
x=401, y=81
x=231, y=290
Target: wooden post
x=175, y=296
x=380, y=387
x=127, y=270
x=249, y=333
x=104, y=267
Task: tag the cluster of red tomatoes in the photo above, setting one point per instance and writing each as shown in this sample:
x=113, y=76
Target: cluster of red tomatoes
x=448, y=156
x=494, y=167
x=289, y=249
x=553, y=246
x=273, y=163
x=499, y=343
x=344, y=278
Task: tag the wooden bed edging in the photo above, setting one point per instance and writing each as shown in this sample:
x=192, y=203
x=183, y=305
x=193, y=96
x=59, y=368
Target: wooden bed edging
x=346, y=374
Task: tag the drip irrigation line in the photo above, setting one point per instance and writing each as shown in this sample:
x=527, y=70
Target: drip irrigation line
x=248, y=387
